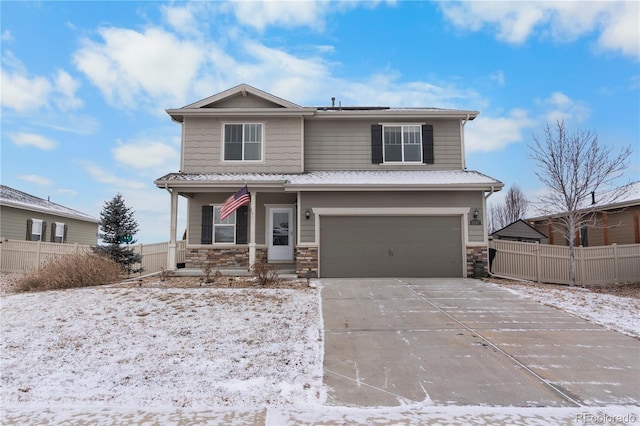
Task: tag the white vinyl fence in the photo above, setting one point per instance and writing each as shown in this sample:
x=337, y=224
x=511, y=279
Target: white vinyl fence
x=550, y=264
x=25, y=256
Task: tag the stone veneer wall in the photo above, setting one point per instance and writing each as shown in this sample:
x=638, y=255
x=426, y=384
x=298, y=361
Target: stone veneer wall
x=306, y=258
x=218, y=258
x=477, y=252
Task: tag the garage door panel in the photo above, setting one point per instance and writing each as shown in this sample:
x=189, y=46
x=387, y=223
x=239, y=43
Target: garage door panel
x=384, y=246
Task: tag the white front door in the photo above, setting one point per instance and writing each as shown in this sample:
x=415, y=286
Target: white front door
x=280, y=233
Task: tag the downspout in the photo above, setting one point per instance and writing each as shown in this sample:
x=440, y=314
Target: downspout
x=485, y=213
x=464, y=154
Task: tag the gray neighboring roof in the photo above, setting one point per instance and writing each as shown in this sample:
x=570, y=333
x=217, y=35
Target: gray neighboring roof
x=341, y=180
x=21, y=200
x=519, y=229
x=630, y=198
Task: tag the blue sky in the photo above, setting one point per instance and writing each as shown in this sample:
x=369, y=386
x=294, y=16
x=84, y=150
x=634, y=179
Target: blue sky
x=85, y=84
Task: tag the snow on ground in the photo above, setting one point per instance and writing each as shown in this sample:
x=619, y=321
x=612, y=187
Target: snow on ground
x=617, y=313
x=153, y=347
x=110, y=355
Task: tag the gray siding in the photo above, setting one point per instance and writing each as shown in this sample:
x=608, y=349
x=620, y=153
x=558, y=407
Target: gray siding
x=13, y=226
x=203, y=146
x=346, y=145
x=310, y=200
x=199, y=200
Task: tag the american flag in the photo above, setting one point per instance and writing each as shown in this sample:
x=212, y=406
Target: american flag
x=234, y=202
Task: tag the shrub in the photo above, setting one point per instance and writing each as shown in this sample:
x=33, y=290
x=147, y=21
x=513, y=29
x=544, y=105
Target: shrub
x=71, y=271
x=265, y=274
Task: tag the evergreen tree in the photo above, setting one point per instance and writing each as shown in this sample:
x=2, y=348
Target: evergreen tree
x=117, y=228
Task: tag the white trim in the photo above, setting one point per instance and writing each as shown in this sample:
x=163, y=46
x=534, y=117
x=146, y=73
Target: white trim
x=268, y=228
x=402, y=144
x=242, y=123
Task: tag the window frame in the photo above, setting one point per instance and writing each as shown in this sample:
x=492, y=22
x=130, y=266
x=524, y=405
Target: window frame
x=402, y=143
x=216, y=214
x=243, y=142
x=59, y=229
x=33, y=225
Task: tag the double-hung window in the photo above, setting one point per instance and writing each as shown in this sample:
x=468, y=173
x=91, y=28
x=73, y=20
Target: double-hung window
x=36, y=230
x=58, y=236
x=402, y=143
x=224, y=231
x=243, y=142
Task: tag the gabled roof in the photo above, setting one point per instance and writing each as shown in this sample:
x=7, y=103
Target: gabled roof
x=444, y=180
x=274, y=106
x=21, y=200
x=520, y=229
x=242, y=89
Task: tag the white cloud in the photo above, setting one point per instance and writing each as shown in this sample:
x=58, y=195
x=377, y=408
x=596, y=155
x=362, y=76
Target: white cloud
x=38, y=180
x=515, y=22
x=66, y=86
x=116, y=182
x=128, y=64
x=32, y=139
x=498, y=77
x=6, y=36
x=23, y=93
x=561, y=107
x=69, y=192
x=145, y=154
x=491, y=134
x=260, y=14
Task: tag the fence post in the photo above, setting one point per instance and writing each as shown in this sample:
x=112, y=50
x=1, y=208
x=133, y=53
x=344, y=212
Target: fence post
x=538, y=263
x=580, y=265
x=38, y=250
x=615, y=262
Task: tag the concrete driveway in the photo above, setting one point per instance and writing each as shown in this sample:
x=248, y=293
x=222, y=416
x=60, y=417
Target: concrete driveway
x=450, y=341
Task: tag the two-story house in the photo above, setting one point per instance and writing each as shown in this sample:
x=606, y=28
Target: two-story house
x=340, y=191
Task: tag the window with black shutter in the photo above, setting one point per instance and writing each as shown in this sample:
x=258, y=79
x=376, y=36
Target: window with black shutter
x=427, y=144
x=376, y=144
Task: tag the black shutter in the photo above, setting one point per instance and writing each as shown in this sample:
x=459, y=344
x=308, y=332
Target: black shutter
x=29, y=229
x=53, y=232
x=242, y=222
x=376, y=144
x=427, y=144
x=43, y=233
x=207, y=225
x=64, y=236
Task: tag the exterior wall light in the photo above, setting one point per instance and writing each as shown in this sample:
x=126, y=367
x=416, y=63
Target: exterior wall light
x=475, y=214
x=307, y=214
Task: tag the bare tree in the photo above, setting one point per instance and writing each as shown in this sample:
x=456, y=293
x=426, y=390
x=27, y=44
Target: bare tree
x=513, y=207
x=572, y=167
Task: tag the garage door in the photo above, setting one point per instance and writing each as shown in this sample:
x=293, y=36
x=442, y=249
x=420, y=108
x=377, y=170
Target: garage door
x=390, y=246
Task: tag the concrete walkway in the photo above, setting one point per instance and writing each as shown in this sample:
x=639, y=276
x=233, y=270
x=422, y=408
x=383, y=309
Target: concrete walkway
x=391, y=342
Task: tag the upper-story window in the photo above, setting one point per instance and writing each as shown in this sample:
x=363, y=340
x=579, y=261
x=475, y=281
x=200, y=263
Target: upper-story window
x=243, y=142
x=402, y=143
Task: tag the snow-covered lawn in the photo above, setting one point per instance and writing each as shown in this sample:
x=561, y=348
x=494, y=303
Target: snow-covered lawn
x=614, y=312
x=159, y=347
x=226, y=356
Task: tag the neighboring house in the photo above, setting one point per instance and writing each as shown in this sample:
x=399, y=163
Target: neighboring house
x=520, y=231
x=338, y=191
x=26, y=217
x=614, y=223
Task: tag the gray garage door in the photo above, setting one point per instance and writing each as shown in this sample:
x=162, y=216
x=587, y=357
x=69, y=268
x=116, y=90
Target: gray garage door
x=390, y=246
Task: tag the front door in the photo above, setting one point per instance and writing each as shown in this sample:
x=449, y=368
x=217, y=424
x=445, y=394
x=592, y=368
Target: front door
x=280, y=233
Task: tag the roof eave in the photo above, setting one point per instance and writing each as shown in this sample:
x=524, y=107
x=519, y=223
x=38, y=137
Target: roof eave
x=409, y=114
x=392, y=187
x=44, y=210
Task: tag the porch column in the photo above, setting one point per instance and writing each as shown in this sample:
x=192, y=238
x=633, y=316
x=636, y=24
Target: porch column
x=252, y=230
x=172, y=250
